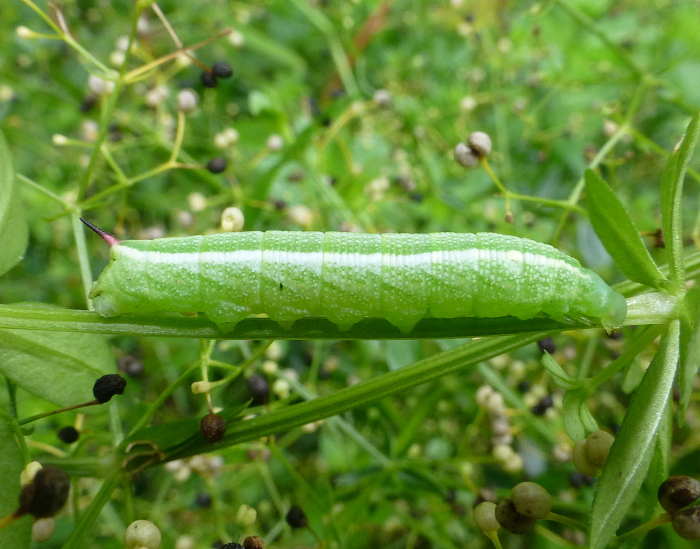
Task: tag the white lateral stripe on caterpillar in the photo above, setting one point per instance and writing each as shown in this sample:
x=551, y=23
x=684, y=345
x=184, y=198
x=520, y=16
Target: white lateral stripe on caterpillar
x=346, y=277
x=300, y=258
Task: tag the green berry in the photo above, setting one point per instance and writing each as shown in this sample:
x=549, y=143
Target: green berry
x=512, y=521
x=598, y=447
x=485, y=516
x=531, y=500
x=142, y=534
x=581, y=461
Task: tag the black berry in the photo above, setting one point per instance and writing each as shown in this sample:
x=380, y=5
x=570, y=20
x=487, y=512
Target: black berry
x=47, y=493
x=259, y=389
x=212, y=427
x=547, y=344
x=217, y=165
x=296, y=518
x=68, y=434
x=232, y=545
x=208, y=80
x=542, y=406
x=203, y=500
x=108, y=386
x=221, y=69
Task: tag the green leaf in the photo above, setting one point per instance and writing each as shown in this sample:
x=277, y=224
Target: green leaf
x=618, y=234
x=58, y=367
x=671, y=198
x=560, y=377
x=690, y=351
x=13, y=225
x=578, y=420
x=631, y=454
x=16, y=535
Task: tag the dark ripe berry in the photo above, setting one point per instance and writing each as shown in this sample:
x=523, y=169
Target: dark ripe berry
x=524, y=386
x=542, y=406
x=221, y=69
x=512, y=521
x=296, y=518
x=130, y=365
x=677, y=492
x=68, y=434
x=47, y=493
x=259, y=389
x=88, y=103
x=108, y=386
x=212, y=427
x=279, y=204
x=686, y=523
x=232, y=545
x=217, y=165
x=203, y=500
x=208, y=80
x=547, y=344
x=253, y=542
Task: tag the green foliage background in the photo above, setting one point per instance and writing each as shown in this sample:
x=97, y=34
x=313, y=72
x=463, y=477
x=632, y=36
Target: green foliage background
x=560, y=86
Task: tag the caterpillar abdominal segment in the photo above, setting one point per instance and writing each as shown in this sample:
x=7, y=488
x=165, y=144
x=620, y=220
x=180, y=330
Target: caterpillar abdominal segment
x=347, y=277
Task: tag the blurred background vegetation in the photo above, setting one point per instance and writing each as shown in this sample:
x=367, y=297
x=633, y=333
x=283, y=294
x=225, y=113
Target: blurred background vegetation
x=343, y=116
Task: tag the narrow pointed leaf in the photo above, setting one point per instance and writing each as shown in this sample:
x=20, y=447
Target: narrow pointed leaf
x=13, y=224
x=671, y=198
x=690, y=351
x=631, y=454
x=560, y=377
x=618, y=234
x=578, y=420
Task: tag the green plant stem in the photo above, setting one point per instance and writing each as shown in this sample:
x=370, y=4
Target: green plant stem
x=83, y=256
x=641, y=341
x=77, y=537
x=155, y=406
x=108, y=110
x=562, y=519
x=493, y=536
x=644, y=528
x=587, y=23
x=621, y=131
x=462, y=358
x=340, y=58
x=43, y=190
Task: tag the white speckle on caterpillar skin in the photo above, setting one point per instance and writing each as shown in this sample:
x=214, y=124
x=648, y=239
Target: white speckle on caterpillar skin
x=347, y=277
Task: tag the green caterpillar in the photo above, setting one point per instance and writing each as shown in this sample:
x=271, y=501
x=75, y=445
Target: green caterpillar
x=346, y=277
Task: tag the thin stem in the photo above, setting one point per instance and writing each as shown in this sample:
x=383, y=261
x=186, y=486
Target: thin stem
x=155, y=406
x=554, y=517
x=178, y=136
x=83, y=257
x=77, y=538
x=644, y=528
x=43, y=190
x=142, y=72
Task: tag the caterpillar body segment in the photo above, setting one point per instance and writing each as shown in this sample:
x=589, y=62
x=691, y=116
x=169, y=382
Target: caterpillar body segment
x=347, y=277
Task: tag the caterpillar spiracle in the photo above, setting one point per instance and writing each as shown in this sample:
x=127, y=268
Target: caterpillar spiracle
x=347, y=277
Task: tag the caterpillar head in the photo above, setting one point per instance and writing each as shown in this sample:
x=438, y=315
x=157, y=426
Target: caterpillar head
x=601, y=301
